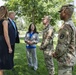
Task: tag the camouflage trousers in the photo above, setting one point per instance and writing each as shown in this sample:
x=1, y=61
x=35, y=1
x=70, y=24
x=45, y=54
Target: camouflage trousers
x=74, y=58
x=49, y=62
x=62, y=70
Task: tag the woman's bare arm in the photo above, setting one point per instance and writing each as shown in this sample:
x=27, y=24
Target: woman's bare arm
x=6, y=36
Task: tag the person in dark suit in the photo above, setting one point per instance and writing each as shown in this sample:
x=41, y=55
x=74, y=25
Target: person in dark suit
x=13, y=32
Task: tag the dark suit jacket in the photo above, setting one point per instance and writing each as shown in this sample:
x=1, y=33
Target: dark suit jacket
x=11, y=31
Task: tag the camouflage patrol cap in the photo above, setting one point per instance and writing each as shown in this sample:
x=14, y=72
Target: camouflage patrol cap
x=70, y=8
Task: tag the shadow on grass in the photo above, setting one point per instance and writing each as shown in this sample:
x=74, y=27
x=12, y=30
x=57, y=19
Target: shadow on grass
x=20, y=62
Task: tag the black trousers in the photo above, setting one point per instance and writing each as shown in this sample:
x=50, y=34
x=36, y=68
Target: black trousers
x=11, y=56
x=6, y=58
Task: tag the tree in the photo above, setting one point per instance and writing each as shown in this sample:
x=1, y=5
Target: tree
x=36, y=9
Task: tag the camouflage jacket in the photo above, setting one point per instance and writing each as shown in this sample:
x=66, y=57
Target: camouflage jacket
x=47, y=41
x=66, y=43
x=75, y=39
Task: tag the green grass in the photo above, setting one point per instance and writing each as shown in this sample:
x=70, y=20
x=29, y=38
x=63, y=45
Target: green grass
x=20, y=60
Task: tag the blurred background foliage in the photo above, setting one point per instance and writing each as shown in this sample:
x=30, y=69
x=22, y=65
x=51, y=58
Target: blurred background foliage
x=28, y=11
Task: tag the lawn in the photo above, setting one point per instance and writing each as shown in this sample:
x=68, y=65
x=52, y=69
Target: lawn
x=20, y=60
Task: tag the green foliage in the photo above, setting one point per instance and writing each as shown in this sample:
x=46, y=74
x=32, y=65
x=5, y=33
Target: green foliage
x=36, y=9
x=13, y=5
x=74, y=18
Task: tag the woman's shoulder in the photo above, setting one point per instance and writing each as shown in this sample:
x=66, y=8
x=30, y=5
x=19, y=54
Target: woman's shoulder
x=2, y=20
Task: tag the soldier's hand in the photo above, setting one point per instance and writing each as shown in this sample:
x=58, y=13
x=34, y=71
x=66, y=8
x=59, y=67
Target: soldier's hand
x=53, y=54
x=41, y=48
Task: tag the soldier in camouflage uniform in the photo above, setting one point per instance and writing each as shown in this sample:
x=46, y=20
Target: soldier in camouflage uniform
x=66, y=42
x=47, y=44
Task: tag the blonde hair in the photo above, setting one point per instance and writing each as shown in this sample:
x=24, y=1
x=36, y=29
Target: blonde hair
x=11, y=12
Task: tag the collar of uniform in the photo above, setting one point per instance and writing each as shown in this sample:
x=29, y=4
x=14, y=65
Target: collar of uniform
x=68, y=20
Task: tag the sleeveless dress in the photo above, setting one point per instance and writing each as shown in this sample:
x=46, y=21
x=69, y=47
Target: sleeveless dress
x=5, y=58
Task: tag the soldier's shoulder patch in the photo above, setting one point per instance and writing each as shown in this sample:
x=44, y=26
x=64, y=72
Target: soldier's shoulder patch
x=65, y=34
